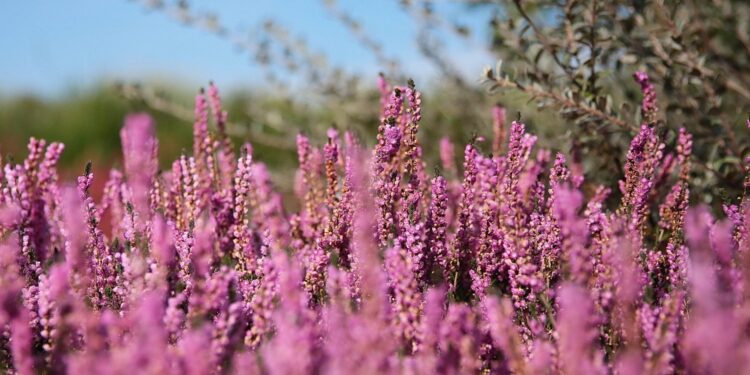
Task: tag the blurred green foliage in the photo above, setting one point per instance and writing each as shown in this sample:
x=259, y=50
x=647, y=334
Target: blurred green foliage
x=88, y=122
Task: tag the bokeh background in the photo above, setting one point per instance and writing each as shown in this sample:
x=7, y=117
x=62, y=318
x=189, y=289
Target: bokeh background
x=72, y=70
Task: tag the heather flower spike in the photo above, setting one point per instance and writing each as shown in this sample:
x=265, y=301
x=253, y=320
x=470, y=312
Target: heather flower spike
x=648, y=104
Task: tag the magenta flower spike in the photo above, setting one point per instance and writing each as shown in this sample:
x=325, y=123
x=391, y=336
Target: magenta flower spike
x=648, y=104
x=140, y=149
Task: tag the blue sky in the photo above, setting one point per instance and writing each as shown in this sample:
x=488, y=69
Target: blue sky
x=50, y=46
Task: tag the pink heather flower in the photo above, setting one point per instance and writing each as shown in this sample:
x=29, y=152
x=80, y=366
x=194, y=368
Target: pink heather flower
x=184, y=205
x=660, y=329
x=434, y=311
x=649, y=104
x=560, y=173
x=140, y=149
x=114, y=201
x=310, y=163
x=201, y=139
x=101, y=261
x=261, y=305
x=412, y=150
x=519, y=147
x=577, y=345
x=74, y=234
x=196, y=341
x=392, y=143
x=643, y=157
x=504, y=333
x=489, y=248
x=272, y=219
x=214, y=100
x=386, y=180
x=460, y=338
x=684, y=150
x=331, y=157
x=203, y=149
x=712, y=341
x=437, y=227
x=316, y=263
x=21, y=344
x=460, y=253
x=574, y=235
x=365, y=249
x=407, y=299
x=33, y=188
x=242, y=251
x=295, y=348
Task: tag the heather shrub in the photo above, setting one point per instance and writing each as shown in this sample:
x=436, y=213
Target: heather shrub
x=509, y=263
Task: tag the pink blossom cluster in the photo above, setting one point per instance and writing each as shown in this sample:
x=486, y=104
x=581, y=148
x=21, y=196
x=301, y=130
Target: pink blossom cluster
x=513, y=263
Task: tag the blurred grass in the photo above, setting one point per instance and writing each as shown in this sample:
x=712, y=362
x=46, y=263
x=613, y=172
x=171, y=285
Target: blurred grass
x=88, y=122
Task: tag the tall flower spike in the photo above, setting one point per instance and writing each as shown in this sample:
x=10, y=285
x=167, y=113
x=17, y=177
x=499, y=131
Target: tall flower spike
x=519, y=149
x=113, y=201
x=331, y=155
x=487, y=252
x=386, y=178
x=226, y=156
x=412, y=152
x=434, y=309
x=184, y=204
x=390, y=117
x=648, y=104
x=313, y=194
x=204, y=148
x=504, y=333
x=21, y=343
x=672, y=210
x=200, y=129
x=45, y=210
x=220, y=116
x=573, y=230
x=460, y=341
x=261, y=305
x=437, y=227
x=295, y=348
x=577, y=346
x=713, y=339
x=34, y=227
x=460, y=251
x=684, y=150
x=101, y=261
x=365, y=250
x=407, y=299
x=643, y=156
x=242, y=252
x=341, y=218
x=273, y=221
x=140, y=149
